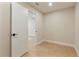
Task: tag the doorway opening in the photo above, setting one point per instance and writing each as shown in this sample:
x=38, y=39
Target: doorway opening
x=32, y=30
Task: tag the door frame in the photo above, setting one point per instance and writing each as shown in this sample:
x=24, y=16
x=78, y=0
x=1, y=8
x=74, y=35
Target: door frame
x=10, y=29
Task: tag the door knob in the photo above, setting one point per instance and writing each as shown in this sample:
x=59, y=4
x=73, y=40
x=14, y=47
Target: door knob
x=14, y=34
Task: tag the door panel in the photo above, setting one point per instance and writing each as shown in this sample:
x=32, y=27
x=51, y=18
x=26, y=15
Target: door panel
x=19, y=27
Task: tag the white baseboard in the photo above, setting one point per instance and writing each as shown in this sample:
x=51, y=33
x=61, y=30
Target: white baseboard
x=39, y=42
x=61, y=43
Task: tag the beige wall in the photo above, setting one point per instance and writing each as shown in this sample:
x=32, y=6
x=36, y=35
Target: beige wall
x=4, y=29
x=77, y=28
x=59, y=26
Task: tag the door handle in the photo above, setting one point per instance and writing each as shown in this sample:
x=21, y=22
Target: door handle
x=14, y=34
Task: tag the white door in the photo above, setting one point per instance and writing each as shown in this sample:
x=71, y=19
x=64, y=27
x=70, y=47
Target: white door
x=19, y=30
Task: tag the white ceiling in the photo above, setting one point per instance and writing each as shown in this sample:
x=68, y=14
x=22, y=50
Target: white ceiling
x=45, y=8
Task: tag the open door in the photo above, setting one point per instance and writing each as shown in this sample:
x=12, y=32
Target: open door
x=19, y=30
